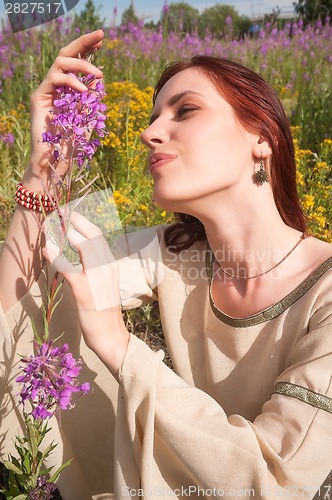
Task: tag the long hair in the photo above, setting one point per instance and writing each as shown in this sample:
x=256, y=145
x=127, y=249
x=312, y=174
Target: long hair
x=259, y=110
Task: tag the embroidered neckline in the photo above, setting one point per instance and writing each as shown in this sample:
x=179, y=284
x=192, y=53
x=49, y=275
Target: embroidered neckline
x=271, y=311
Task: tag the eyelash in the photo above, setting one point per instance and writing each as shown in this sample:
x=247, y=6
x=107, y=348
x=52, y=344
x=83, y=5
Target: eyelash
x=185, y=109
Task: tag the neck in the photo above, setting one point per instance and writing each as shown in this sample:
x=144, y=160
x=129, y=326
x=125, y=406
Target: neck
x=247, y=240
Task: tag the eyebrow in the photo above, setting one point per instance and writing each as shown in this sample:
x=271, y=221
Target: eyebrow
x=174, y=100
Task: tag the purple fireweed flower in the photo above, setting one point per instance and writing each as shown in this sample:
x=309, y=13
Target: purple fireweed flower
x=7, y=73
x=50, y=380
x=53, y=139
x=44, y=490
x=165, y=8
x=77, y=114
x=8, y=138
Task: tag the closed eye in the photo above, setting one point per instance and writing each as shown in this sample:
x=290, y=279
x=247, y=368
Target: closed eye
x=185, y=109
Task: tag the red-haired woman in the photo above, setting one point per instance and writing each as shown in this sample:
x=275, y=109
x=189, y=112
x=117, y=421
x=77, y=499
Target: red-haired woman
x=245, y=294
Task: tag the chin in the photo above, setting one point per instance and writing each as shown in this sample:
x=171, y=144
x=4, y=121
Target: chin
x=175, y=201
x=167, y=200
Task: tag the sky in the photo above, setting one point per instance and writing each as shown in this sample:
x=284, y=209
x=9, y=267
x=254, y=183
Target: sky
x=150, y=10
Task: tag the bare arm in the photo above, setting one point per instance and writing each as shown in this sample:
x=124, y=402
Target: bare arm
x=96, y=289
x=21, y=257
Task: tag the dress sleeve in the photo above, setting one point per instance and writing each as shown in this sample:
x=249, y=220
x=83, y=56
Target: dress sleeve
x=182, y=442
x=138, y=254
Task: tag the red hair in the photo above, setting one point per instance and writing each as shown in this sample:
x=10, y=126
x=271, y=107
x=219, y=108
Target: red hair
x=259, y=110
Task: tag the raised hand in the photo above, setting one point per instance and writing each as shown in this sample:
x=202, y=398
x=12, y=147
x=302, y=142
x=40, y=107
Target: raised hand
x=69, y=60
x=21, y=259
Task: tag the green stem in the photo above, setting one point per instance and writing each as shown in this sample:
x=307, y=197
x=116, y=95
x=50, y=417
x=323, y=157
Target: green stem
x=51, y=299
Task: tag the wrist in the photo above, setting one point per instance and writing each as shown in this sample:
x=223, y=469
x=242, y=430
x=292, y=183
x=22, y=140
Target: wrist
x=38, y=180
x=107, y=339
x=112, y=350
x=35, y=201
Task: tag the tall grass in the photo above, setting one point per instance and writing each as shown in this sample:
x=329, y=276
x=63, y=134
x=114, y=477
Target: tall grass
x=296, y=61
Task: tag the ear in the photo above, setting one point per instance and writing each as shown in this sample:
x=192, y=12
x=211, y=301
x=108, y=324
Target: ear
x=261, y=148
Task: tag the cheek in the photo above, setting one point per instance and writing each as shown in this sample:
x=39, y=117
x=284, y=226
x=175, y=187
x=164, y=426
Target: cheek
x=225, y=144
x=219, y=136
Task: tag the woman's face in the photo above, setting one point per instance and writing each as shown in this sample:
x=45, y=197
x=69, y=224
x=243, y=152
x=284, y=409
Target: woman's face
x=197, y=146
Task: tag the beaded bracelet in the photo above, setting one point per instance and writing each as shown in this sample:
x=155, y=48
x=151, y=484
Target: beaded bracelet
x=34, y=201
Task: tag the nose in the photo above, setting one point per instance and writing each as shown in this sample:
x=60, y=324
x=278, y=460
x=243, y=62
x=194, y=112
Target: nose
x=154, y=135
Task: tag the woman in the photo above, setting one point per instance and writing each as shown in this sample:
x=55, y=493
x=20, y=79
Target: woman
x=245, y=294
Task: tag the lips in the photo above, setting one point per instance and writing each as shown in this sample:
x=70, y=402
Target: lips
x=160, y=159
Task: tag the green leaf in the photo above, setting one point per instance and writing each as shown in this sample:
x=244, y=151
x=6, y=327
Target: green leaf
x=57, y=473
x=14, y=483
x=56, y=305
x=32, y=438
x=42, y=430
x=15, y=461
x=7, y=493
x=14, y=487
x=43, y=456
x=45, y=322
x=57, y=290
x=48, y=450
x=46, y=472
x=27, y=464
x=36, y=335
x=59, y=337
x=21, y=497
x=12, y=467
x=25, y=456
x=21, y=441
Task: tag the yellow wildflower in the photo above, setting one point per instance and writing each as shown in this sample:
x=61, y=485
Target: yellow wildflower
x=120, y=199
x=308, y=202
x=321, y=165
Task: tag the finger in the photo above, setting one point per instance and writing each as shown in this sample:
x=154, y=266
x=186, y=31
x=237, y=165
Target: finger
x=59, y=263
x=92, y=84
x=83, y=236
x=83, y=44
x=68, y=61
x=96, y=288
x=84, y=226
x=58, y=228
x=58, y=74
x=88, y=241
x=73, y=65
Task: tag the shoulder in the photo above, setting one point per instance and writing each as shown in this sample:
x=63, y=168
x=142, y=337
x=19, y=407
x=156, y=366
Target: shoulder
x=322, y=249
x=312, y=271
x=319, y=282
x=316, y=253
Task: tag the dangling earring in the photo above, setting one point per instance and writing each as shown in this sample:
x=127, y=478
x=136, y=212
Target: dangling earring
x=261, y=175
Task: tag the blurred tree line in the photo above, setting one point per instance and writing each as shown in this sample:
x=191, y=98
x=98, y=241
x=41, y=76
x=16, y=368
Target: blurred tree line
x=219, y=21
x=312, y=10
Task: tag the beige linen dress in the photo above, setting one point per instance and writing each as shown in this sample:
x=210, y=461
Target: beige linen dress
x=247, y=412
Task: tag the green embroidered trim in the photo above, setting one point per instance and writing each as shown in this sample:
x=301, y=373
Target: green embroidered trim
x=303, y=394
x=272, y=311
